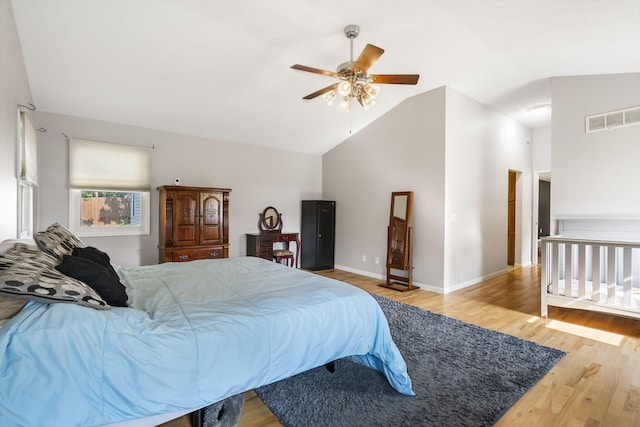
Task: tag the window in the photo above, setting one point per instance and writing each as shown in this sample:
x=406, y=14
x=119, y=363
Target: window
x=27, y=173
x=109, y=189
x=25, y=209
x=108, y=213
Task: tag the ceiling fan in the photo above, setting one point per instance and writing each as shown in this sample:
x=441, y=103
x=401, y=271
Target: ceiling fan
x=354, y=80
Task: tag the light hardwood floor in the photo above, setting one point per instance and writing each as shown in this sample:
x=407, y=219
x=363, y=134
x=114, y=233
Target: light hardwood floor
x=596, y=384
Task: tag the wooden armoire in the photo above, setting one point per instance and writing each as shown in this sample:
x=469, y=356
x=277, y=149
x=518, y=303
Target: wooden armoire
x=194, y=223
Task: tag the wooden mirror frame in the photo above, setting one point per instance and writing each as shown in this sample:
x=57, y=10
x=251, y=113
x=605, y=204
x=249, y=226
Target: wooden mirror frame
x=400, y=242
x=270, y=219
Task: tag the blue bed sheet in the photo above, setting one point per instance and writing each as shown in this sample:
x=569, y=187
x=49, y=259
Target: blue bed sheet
x=194, y=333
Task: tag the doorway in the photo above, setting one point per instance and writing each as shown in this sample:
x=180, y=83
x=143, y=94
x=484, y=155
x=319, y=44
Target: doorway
x=542, y=224
x=544, y=208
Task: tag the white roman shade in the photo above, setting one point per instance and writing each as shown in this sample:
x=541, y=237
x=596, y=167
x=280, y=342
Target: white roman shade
x=101, y=166
x=28, y=149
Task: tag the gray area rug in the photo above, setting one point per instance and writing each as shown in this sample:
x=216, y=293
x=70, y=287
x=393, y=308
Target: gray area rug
x=463, y=375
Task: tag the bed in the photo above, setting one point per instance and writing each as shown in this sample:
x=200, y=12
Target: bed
x=193, y=333
x=592, y=265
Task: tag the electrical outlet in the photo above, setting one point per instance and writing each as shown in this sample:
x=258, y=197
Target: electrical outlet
x=377, y=260
x=364, y=258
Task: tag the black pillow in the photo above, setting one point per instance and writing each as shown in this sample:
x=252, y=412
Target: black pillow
x=96, y=255
x=96, y=276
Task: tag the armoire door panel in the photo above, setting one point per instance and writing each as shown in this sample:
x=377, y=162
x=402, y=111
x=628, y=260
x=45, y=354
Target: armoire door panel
x=185, y=235
x=211, y=210
x=325, y=235
x=185, y=220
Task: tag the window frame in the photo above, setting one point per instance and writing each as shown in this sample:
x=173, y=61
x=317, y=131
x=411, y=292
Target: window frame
x=26, y=208
x=27, y=174
x=75, y=217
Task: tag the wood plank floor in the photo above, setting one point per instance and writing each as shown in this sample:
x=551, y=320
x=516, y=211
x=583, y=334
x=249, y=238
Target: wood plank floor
x=596, y=384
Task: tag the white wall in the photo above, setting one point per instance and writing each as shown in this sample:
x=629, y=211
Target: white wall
x=454, y=154
x=481, y=147
x=258, y=177
x=541, y=149
x=14, y=90
x=401, y=151
x=595, y=175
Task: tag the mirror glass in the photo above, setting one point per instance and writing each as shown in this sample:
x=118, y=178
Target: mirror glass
x=270, y=219
x=400, y=206
x=399, y=225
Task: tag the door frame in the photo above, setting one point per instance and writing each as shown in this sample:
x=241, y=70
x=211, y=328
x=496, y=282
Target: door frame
x=512, y=200
x=537, y=175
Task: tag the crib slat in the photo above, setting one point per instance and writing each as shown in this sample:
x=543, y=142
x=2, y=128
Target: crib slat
x=611, y=274
x=568, y=270
x=626, y=278
x=555, y=268
x=635, y=276
x=582, y=269
x=596, y=272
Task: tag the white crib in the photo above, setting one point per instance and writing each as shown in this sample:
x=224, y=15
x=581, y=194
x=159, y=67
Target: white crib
x=592, y=265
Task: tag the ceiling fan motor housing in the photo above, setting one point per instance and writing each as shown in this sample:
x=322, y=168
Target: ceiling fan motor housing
x=351, y=31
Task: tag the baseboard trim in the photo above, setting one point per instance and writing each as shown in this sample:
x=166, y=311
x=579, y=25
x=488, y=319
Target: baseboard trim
x=474, y=281
x=360, y=272
x=429, y=288
x=383, y=278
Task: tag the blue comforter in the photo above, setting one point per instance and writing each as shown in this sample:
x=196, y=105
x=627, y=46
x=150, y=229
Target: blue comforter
x=194, y=333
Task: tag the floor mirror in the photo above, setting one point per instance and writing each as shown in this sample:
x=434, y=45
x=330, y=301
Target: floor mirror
x=400, y=243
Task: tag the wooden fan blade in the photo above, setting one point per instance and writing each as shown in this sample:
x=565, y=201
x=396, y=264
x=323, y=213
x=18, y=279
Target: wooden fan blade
x=369, y=55
x=321, y=91
x=395, y=79
x=313, y=70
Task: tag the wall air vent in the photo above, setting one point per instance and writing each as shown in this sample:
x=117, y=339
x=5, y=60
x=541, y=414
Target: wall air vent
x=612, y=120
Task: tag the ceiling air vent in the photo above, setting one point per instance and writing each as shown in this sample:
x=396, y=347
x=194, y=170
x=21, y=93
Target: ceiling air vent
x=612, y=120
x=595, y=123
x=632, y=116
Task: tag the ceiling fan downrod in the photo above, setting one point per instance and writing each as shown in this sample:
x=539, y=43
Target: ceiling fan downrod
x=351, y=32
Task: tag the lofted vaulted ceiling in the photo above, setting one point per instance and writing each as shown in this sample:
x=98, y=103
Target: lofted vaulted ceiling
x=220, y=69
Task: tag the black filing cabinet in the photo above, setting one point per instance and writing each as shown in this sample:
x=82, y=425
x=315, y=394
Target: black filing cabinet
x=318, y=234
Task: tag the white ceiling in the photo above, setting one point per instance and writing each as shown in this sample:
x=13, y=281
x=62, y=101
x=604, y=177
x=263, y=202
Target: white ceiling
x=220, y=69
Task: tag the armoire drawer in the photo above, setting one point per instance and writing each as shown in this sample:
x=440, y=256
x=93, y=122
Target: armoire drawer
x=180, y=255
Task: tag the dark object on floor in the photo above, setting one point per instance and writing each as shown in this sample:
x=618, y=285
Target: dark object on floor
x=463, y=375
x=225, y=413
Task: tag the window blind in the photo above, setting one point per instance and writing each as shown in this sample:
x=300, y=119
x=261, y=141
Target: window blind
x=102, y=166
x=28, y=149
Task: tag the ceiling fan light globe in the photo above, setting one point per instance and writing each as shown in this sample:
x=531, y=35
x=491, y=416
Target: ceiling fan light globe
x=343, y=107
x=367, y=101
x=344, y=88
x=372, y=90
x=329, y=97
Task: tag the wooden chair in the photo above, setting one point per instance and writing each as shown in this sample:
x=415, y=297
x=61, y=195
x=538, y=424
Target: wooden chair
x=285, y=257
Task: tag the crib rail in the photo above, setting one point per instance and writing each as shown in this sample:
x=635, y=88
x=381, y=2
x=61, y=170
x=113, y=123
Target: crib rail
x=597, y=275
